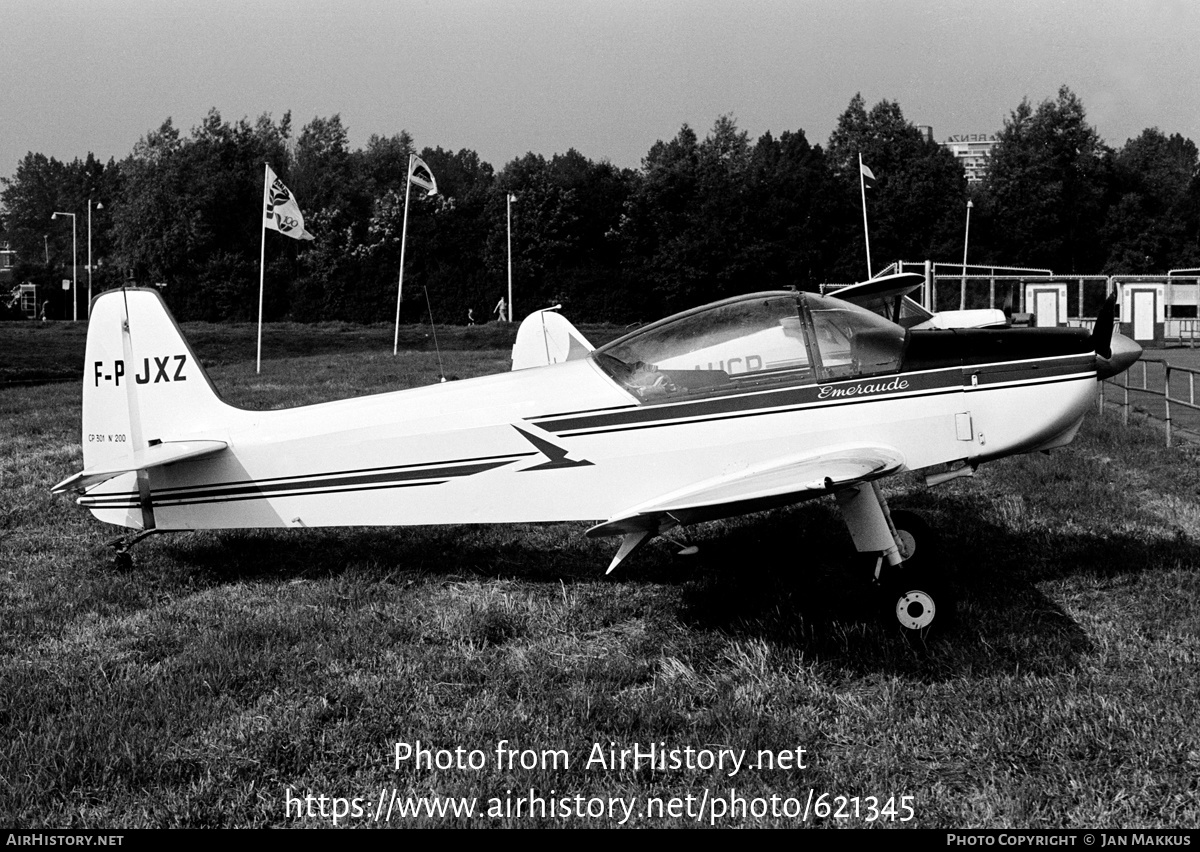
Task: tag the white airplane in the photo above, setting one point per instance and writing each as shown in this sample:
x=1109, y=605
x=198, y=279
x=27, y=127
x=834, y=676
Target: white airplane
x=749, y=403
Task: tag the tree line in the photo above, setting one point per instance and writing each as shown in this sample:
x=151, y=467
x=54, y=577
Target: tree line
x=702, y=218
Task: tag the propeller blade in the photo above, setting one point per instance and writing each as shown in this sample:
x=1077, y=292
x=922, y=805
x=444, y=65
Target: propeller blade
x=1102, y=331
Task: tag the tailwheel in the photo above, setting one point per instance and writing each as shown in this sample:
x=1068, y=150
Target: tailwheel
x=122, y=559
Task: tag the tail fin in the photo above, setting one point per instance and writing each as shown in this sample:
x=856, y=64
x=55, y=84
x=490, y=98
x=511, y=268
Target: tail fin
x=546, y=337
x=146, y=399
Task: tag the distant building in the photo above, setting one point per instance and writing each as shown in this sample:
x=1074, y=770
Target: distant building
x=973, y=150
x=8, y=259
x=13, y=295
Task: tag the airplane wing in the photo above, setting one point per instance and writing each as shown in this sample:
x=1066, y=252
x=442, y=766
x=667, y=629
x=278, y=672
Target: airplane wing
x=887, y=289
x=157, y=455
x=885, y=286
x=779, y=482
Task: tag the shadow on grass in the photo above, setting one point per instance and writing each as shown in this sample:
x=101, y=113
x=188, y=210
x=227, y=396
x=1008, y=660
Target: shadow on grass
x=792, y=577
x=788, y=577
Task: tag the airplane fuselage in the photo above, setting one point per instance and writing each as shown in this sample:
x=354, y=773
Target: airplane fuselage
x=566, y=442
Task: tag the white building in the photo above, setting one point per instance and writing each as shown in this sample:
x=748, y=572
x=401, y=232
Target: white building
x=973, y=150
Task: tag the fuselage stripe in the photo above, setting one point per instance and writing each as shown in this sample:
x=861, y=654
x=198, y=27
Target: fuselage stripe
x=957, y=387
x=130, y=501
x=287, y=486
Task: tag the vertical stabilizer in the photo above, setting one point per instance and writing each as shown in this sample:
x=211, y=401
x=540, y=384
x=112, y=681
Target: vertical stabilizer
x=546, y=337
x=142, y=387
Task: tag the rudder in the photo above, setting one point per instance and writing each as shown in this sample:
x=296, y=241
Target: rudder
x=146, y=403
x=142, y=384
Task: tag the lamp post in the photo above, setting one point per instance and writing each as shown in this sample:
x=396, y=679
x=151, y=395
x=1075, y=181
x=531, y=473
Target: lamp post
x=511, y=199
x=962, y=290
x=99, y=206
x=74, y=265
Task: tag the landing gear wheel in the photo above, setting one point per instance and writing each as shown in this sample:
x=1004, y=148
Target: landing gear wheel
x=916, y=596
x=918, y=600
x=122, y=560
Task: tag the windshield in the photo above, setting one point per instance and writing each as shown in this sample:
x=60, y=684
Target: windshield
x=718, y=346
x=852, y=341
x=751, y=341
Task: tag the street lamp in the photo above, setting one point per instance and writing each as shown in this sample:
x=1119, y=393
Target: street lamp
x=99, y=206
x=511, y=199
x=962, y=291
x=74, y=265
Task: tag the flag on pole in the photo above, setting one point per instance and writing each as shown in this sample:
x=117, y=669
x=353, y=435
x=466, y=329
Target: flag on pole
x=864, y=172
x=421, y=175
x=280, y=211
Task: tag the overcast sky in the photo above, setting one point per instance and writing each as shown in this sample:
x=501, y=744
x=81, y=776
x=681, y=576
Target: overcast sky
x=607, y=78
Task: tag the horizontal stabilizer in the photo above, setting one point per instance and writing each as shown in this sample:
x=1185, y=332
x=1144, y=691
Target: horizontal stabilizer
x=157, y=455
x=776, y=483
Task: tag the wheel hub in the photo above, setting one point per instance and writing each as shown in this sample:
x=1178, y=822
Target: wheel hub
x=915, y=610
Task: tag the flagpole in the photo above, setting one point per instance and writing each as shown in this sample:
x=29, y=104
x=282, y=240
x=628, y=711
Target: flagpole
x=262, y=255
x=862, y=188
x=403, y=239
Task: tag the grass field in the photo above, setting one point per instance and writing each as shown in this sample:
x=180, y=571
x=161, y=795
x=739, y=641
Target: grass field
x=227, y=676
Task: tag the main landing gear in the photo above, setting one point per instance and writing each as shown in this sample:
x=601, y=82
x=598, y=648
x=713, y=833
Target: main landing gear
x=916, y=599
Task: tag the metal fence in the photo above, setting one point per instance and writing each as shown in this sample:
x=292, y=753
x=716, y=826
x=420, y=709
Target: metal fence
x=952, y=286
x=1136, y=380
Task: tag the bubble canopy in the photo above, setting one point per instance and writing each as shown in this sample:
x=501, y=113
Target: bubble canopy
x=760, y=339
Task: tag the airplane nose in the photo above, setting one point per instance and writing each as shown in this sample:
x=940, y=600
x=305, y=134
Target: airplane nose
x=1124, y=353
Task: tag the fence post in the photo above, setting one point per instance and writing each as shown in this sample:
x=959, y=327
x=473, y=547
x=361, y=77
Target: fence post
x=1167, y=397
x=1125, y=401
